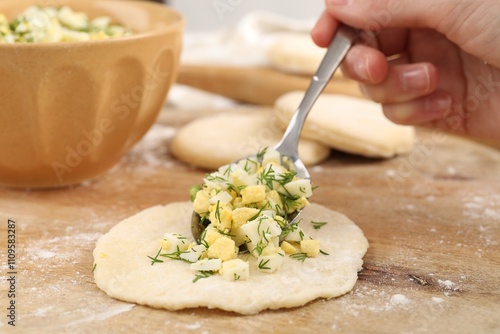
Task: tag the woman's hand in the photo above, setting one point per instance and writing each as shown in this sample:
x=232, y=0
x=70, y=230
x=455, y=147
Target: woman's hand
x=429, y=62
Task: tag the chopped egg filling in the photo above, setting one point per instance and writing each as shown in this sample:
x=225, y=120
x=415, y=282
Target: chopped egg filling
x=57, y=24
x=245, y=203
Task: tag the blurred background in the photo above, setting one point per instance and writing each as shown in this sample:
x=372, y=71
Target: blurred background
x=213, y=14
x=223, y=35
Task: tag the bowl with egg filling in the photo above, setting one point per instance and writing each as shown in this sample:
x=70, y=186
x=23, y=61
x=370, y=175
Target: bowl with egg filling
x=81, y=81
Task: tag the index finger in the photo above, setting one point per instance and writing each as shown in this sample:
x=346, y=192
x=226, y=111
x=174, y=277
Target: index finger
x=324, y=30
x=389, y=41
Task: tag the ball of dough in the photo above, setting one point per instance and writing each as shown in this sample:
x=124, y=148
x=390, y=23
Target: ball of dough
x=216, y=140
x=296, y=53
x=348, y=124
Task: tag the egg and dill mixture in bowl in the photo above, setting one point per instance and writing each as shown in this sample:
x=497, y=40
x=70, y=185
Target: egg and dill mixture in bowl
x=75, y=95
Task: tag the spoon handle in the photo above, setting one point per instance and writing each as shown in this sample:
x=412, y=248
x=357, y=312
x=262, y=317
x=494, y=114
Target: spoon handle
x=341, y=43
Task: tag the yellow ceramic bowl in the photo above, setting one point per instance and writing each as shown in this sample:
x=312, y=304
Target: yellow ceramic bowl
x=69, y=111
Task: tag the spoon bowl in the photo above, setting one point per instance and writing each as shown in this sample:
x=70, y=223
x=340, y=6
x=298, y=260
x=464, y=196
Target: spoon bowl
x=288, y=146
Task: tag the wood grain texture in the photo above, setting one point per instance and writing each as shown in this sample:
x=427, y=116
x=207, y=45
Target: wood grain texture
x=255, y=85
x=432, y=219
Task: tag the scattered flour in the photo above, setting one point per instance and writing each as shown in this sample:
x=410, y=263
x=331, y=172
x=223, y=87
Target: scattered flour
x=399, y=299
x=317, y=169
x=42, y=312
x=484, y=213
x=60, y=248
x=194, y=326
x=390, y=173
x=483, y=229
x=490, y=213
x=446, y=284
x=104, y=314
x=437, y=300
x=482, y=208
x=43, y=254
x=374, y=300
x=182, y=326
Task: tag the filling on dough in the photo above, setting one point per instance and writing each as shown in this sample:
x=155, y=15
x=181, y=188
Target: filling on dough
x=245, y=207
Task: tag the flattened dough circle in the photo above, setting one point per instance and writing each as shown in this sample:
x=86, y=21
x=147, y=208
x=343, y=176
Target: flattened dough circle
x=124, y=271
x=349, y=124
x=216, y=140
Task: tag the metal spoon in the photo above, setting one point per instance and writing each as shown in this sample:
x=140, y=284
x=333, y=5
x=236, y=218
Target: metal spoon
x=288, y=146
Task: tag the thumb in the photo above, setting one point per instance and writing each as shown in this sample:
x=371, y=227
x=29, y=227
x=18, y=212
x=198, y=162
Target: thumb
x=471, y=24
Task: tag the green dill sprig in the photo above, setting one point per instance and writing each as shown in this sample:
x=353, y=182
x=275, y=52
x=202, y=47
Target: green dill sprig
x=237, y=189
x=259, y=247
x=299, y=256
x=249, y=163
x=318, y=225
x=262, y=264
x=228, y=171
x=95, y=266
x=256, y=215
x=202, y=274
x=261, y=153
x=288, y=229
x=227, y=234
x=193, y=191
x=287, y=177
x=203, y=224
x=217, y=212
x=202, y=240
x=175, y=255
x=323, y=252
x=212, y=177
x=267, y=177
x=155, y=259
x=290, y=202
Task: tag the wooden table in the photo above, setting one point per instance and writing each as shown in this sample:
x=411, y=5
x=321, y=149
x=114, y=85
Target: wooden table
x=432, y=219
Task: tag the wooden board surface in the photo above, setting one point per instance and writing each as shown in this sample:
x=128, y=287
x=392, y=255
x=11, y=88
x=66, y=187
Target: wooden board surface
x=256, y=85
x=432, y=219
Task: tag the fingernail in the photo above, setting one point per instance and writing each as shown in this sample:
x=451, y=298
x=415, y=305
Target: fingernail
x=424, y=110
x=416, y=79
x=362, y=70
x=363, y=90
x=438, y=104
x=339, y=2
x=401, y=114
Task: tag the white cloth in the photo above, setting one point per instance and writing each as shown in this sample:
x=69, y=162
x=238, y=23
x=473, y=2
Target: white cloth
x=244, y=45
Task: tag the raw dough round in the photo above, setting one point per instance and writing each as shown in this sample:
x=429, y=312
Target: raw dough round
x=296, y=53
x=124, y=271
x=216, y=140
x=349, y=124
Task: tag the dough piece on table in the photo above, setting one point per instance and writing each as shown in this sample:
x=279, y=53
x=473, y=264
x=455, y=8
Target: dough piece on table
x=124, y=271
x=216, y=140
x=349, y=124
x=296, y=53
